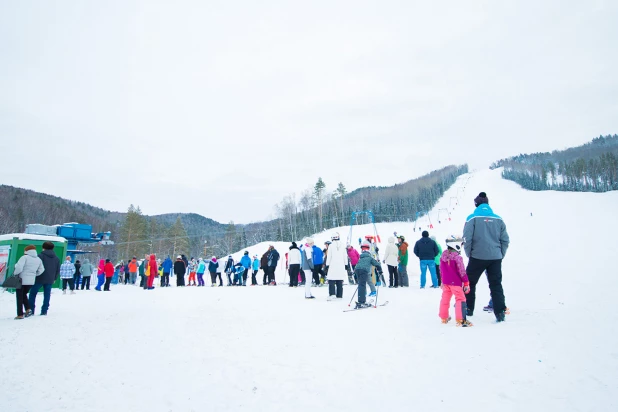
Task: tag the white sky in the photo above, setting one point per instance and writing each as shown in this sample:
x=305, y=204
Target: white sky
x=224, y=107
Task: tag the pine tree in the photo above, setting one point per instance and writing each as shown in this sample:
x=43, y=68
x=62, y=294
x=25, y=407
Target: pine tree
x=341, y=192
x=133, y=233
x=318, y=192
x=178, y=238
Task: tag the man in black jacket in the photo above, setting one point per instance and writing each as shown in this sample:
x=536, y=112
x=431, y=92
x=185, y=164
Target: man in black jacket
x=51, y=264
x=179, y=270
x=427, y=250
x=273, y=259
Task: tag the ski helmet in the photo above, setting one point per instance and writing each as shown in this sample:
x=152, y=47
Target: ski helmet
x=365, y=245
x=454, y=243
x=402, y=237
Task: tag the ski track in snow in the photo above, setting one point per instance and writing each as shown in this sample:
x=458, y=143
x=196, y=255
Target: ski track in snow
x=269, y=349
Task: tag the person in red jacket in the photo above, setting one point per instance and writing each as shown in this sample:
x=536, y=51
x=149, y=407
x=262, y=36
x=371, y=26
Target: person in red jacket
x=152, y=269
x=108, y=269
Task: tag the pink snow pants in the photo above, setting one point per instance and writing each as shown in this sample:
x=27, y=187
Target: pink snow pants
x=447, y=292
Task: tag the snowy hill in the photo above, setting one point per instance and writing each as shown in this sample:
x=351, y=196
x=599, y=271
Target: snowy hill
x=269, y=349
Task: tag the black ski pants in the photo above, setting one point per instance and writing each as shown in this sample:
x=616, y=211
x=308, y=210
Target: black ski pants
x=362, y=276
x=393, y=276
x=438, y=275
x=253, y=279
x=71, y=283
x=317, y=271
x=108, y=281
x=244, y=276
x=335, y=287
x=22, y=299
x=475, y=269
x=165, y=279
x=294, y=269
x=271, y=274
x=86, y=282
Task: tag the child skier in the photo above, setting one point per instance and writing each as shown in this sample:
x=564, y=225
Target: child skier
x=362, y=270
x=453, y=277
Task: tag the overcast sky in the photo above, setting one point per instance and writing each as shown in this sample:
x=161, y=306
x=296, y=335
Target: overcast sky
x=224, y=107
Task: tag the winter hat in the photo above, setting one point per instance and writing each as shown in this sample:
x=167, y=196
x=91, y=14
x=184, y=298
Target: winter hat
x=48, y=246
x=294, y=246
x=29, y=247
x=246, y=252
x=309, y=241
x=480, y=199
x=454, y=243
x=107, y=261
x=425, y=233
x=178, y=257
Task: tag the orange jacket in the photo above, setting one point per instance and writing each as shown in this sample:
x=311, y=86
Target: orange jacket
x=133, y=266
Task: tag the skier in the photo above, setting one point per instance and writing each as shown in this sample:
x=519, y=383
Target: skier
x=403, y=261
x=486, y=243
x=426, y=250
x=391, y=258
x=179, y=270
x=245, y=260
x=152, y=271
x=353, y=257
x=229, y=268
x=201, y=268
x=307, y=266
x=192, y=268
x=454, y=276
x=273, y=258
x=362, y=270
x=212, y=268
x=255, y=267
x=167, y=268
x=318, y=261
x=294, y=260
x=437, y=260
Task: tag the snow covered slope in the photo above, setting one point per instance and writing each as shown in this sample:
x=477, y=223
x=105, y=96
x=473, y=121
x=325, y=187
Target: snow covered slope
x=269, y=349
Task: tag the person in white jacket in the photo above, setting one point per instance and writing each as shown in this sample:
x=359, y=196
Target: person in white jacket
x=307, y=266
x=294, y=260
x=391, y=258
x=336, y=261
x=28, y=267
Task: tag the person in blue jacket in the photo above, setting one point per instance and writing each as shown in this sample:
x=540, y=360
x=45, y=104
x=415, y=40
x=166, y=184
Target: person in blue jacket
x=245, y=261
x=318, y=262
x=256, y=267
x=167, y=268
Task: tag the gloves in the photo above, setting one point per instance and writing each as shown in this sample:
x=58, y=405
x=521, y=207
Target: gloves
x=466, y=288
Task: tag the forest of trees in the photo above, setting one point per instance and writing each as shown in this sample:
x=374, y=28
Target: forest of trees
x=317, y=209
x=592, y=167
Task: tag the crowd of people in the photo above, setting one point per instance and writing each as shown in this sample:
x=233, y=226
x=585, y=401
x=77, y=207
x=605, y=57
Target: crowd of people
x=485, y=241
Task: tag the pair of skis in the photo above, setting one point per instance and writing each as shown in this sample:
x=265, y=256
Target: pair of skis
x=367, y=307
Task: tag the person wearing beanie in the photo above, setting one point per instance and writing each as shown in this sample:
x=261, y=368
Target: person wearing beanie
x=51, y=272
x=486, y=242
x=180, y=269
x=294, y=260
x=167, y=269
x=28, y=267
x=391, y=259
x=363, y=271
x=255, y=267
x=213, y=265
x=273, y=259
x=109, y=273
x=67, y=273
x=427, y=250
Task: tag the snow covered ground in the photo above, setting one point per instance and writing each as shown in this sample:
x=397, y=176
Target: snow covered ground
x=269, y=349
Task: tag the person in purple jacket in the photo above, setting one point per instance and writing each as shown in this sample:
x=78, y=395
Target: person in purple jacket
x=454, y=282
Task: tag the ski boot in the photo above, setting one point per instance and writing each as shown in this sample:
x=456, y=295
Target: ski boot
x=500, y=316
x=445, y=320
x=488, y=308
x=464, y=323
x=362, y=305
x=372, y=294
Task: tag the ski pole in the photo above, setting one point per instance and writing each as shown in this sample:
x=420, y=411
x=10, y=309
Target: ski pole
x=377, y=294
x=353, y=296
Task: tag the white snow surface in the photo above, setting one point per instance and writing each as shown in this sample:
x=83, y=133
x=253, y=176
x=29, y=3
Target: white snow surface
x=269, y=349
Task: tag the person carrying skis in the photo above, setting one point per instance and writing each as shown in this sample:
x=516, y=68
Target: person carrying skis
x=486, y=243
x=454, y=282
x=363, y=269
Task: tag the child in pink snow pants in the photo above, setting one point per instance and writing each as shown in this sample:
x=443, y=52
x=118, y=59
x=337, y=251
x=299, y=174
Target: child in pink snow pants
x=454, y=282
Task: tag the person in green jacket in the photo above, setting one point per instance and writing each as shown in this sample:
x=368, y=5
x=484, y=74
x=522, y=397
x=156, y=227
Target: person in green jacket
x=437, y=260
x=403, y=260
x=142, y=271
